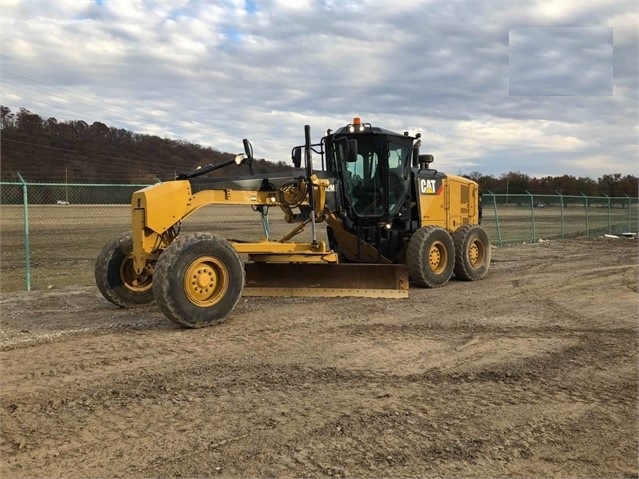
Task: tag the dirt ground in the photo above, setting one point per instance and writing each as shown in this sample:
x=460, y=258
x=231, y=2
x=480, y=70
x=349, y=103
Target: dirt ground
x=530, y=372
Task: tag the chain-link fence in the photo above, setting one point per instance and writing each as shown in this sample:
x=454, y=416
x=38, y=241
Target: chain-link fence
x=51, y=234
x=529, y=218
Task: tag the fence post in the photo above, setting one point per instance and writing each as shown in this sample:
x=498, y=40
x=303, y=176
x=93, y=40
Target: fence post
x=496, y=217
x=587, y=223
x=561, y=212
x=609, y=222
x=532, y=212
x=27, y=250
x=629, y=216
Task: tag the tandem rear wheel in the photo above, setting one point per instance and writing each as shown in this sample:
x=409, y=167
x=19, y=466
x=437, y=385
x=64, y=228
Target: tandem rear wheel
x=198, y=280
x=430, y=257
x=472, y=252
x=433, y=255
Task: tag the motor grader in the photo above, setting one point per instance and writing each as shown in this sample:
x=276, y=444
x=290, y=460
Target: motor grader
x=389, y=217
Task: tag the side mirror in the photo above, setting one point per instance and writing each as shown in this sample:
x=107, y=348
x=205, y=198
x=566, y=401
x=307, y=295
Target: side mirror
x=415, y=159
x=346, y=149
x=248, y=148
x=248, y=151
x=352, y=151
x=296, y=156
x=425, y=160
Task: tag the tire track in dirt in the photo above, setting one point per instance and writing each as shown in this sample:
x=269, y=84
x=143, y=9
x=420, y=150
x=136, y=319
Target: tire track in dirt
x=512, y=374
x=163, y=391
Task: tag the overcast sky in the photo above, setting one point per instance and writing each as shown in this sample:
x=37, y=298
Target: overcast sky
x=541, y=87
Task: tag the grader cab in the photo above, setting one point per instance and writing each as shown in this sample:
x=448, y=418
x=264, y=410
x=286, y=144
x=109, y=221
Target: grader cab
x=390, y=219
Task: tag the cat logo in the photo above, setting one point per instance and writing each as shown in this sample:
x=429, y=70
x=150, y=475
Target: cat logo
x=428, y=187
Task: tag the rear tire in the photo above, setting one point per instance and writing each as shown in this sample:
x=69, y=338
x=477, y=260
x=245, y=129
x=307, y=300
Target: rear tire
x=115, y=277
x=198, y=281
x=430, y=257
x=472, y=252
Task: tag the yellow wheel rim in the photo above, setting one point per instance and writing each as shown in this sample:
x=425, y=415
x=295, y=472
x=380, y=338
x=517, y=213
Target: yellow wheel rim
x=206, y=281
x=476, y=253
x=437, y=257
x=131, y=280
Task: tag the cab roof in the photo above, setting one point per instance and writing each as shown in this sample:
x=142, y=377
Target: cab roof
x=368, y=128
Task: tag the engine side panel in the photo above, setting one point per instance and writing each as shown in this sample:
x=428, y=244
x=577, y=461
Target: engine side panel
x=448, y=201
x=431, y=190
x=464, y=202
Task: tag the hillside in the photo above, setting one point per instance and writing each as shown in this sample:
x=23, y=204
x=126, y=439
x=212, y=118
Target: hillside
x=76, y=152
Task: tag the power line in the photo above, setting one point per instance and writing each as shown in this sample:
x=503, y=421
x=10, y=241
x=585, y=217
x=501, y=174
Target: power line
x=74, y=152
x=62, y=89
x=51, y=105
x=96, y=103
x=11, y=140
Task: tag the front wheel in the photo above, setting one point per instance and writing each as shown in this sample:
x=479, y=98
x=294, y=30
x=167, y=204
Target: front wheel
x=430, y=257
x=116, y=278
x=472, y=252
x=198, y=280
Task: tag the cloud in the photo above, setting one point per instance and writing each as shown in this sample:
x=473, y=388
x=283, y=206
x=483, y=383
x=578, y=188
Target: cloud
x=552, y=61
x=214, y=73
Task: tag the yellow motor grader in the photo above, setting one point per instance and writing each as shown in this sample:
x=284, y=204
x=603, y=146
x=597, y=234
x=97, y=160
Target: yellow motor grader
x=390, y=219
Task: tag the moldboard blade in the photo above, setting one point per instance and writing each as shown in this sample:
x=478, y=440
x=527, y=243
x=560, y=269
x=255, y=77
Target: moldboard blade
x=326, y=279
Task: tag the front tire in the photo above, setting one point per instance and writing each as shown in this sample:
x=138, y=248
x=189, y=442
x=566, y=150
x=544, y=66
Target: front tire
x=430, y=257
x=198, y=281
x=472, y=252
x=115, y=276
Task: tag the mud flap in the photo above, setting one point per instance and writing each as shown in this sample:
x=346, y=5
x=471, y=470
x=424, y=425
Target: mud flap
x=326, y=280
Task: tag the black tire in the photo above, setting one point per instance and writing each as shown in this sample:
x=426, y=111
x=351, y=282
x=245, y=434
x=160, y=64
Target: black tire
x=199, y=279
x=472, y=252
x=115, y=277
x=430, y=257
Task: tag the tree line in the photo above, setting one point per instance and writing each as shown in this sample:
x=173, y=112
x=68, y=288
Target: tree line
x=49, y=150
x=613, y=185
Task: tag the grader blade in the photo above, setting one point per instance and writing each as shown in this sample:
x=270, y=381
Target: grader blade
x=326, y=280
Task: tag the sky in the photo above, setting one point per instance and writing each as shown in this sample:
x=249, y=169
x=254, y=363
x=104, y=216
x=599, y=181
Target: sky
x=545, y=88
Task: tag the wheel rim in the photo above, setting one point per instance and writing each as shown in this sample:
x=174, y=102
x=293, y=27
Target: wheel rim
x=206, y=281
x=131, y=280
x=476, y=253
x=437, y=257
